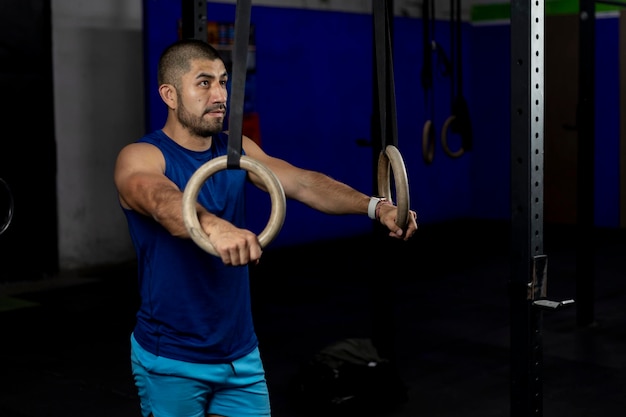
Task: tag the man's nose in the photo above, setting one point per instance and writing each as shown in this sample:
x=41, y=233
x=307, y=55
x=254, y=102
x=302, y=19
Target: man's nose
x=220, y=94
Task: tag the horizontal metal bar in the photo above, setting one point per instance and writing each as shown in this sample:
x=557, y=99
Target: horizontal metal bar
x=613, y=2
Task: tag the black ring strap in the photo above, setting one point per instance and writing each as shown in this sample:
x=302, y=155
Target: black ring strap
x=384, y=73
x=240, y=56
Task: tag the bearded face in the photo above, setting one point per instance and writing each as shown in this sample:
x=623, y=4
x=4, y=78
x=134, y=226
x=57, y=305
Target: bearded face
x=204, y=125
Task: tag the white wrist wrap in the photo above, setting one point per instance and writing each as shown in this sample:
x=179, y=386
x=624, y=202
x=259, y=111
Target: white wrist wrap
x=371, y=207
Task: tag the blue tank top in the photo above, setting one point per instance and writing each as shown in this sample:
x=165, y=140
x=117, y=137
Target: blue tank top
x=193, y=308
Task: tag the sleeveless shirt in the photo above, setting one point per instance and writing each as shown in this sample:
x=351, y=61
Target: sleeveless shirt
x=193, y=308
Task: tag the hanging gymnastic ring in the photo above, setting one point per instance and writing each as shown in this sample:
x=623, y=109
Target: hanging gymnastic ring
x=428, y=142
x=9, y=215
x=444, y=139
x=274, y=188
x=392, y=157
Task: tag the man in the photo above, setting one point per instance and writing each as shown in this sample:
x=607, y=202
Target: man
x=194, y=351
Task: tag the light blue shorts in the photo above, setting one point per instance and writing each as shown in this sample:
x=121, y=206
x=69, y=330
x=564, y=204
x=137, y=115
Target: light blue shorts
x=171, y=388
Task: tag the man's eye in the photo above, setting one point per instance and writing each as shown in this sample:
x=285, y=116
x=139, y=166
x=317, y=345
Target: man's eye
x=223, y=82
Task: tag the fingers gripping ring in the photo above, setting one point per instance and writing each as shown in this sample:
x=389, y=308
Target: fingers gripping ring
x=190, y=197
x=391, y=157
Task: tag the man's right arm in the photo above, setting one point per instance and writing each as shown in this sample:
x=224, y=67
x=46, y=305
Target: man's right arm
x=143, y=187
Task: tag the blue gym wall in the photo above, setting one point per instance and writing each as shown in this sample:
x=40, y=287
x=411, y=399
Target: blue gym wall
x=607, y=132
x=314, y=99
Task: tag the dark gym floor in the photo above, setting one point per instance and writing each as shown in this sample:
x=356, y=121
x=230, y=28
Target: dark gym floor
x=441, y=306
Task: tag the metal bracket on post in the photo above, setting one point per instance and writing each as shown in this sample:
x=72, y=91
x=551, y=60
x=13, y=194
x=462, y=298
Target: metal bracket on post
x=537, y=288
x=552, y=305
x=194, y=19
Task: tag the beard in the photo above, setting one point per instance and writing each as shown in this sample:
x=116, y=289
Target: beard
x=198, y=126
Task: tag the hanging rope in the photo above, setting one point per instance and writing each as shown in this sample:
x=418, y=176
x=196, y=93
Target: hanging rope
x=459, y=121
x=234, y=158
x=428, y=34
x=389, y=156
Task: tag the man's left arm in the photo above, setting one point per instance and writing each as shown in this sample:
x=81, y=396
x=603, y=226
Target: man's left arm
x=325, y=194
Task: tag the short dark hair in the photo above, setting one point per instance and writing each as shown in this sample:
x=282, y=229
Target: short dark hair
x=176, y=59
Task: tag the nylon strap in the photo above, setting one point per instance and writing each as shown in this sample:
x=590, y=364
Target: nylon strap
x=239, y=62
x=429, y=43
x=384, y=73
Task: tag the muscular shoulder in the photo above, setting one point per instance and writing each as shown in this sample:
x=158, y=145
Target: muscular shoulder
x=141, y=154
x=252, y=149
x=137, y=160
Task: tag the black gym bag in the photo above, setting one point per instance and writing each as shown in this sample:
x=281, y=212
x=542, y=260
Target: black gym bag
x=348, y=377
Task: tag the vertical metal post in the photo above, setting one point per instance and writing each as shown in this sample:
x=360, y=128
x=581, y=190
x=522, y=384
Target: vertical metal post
x=585, y=174
x=527, y=157
x=194, y=19
x=622, y=118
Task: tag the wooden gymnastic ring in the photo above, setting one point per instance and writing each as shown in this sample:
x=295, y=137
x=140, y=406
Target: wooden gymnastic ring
x=392, y=157
x=274, y=188
x=444, y=139
x=6, y=221
x=428, y=142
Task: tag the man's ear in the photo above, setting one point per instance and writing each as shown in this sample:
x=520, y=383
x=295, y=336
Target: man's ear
x=168, y=95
